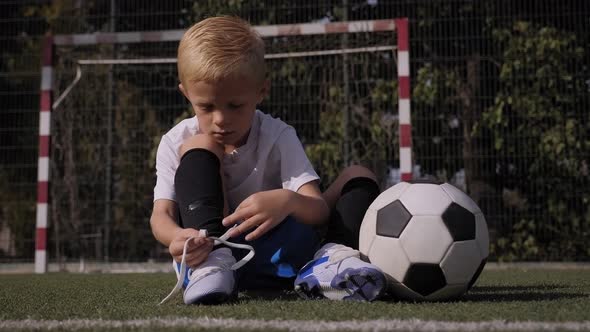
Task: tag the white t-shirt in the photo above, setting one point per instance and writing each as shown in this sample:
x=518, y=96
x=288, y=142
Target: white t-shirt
x=272, y=158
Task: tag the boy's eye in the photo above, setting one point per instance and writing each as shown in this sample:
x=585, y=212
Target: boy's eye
x=235, y=105
x=205, y=108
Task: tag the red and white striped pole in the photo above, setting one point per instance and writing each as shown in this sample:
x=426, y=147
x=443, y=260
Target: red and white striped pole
x=405, y=126
x=43, y=163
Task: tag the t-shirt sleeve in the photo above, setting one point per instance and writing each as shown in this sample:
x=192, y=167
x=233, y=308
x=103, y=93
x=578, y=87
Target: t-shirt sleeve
x=166, y=165
x=296, y=169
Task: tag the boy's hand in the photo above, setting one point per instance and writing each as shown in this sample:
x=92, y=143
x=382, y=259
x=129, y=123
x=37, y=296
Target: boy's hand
x=198, y=248
x=263, y=211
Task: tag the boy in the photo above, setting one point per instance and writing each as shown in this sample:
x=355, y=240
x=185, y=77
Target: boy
x=233, y=158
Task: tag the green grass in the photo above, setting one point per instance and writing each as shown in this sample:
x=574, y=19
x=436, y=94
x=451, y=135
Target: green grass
x=515, y=294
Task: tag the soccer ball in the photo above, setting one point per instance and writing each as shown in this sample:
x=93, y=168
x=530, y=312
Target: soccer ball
x=431, y=240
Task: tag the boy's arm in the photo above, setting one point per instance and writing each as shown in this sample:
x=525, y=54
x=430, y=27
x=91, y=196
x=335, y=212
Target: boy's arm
x=167, y=232
x=163, y=222
x=266, y=209
x=308, y=205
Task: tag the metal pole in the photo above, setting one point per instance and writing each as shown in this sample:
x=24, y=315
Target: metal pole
x=346, y=116
x=109, y=147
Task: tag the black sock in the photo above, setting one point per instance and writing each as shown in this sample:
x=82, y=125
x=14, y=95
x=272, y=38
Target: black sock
x=199, y=191
x=347, y=216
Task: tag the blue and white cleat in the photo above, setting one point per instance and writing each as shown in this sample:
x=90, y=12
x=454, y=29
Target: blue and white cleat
x=213, y=281
x=338, y=273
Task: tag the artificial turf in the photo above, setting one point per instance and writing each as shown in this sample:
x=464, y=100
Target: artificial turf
x=513, y=294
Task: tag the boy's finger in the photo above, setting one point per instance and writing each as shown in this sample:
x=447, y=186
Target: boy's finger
x=188, y=232
x=259, y=231
x=231, y=219
x=246, y=225
x=198, y=257
x=197, y=254
x=236, y=217
x=199, y=240
x=194, y=256
x=195, y=244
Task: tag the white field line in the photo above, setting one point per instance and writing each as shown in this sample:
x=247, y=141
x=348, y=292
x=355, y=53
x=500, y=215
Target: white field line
x=295, y=325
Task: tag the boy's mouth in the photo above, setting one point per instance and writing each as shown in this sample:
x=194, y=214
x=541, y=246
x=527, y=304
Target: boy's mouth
x=222, y=133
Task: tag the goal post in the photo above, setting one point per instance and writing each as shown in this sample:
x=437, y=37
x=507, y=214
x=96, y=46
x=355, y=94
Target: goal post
x=280, y=36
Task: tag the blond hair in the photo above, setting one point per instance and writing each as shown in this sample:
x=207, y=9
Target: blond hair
x=220, y=47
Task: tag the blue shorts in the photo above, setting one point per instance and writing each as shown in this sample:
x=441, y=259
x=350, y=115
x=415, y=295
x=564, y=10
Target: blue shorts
x=280, y=254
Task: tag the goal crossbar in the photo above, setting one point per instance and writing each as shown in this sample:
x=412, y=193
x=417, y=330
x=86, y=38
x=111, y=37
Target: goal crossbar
x=264, y=31
x=266, y=56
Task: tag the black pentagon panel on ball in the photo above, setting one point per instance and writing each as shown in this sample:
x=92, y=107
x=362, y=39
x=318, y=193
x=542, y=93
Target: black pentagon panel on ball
x=425, y=279
x=392, y=219
x=477, y=273
x=460, y=222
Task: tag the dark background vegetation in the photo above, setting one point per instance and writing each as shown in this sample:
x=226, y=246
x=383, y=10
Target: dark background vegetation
x=500, y=107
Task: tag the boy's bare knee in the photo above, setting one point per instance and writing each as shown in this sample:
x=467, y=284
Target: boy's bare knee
x=201, y=141
x=357, y=171
x=334, y=191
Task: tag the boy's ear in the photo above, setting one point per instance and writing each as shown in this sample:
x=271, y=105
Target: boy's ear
x=264, y=90
x=182, y=90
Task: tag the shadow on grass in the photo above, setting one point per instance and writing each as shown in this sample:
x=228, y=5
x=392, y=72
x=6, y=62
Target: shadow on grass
x=538, y=288
x=546, y=292
x=267, y=295
x=550, y=292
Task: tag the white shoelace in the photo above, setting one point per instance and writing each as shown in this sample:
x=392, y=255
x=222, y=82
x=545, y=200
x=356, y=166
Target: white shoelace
x=200, y=274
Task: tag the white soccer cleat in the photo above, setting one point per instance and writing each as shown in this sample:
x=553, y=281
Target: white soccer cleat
x=338, y=273
x=212, y=281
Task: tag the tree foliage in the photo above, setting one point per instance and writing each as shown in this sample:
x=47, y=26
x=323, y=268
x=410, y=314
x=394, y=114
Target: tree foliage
x=536, y=124
x=371, y=131
x=501, y=99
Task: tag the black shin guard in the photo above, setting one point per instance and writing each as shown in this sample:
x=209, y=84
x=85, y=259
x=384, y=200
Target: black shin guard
x=347, y=216
x=199, y=191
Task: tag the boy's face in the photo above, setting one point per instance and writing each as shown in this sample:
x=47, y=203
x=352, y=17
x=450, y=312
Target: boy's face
x=225, y=109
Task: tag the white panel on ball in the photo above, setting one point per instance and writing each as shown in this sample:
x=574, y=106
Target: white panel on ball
x=388, y=255
x=426, y=239
x=460, y=198
x=481, y=235
x=389, y=196
x=368, y=231
x=461, y=262
x=415, y=197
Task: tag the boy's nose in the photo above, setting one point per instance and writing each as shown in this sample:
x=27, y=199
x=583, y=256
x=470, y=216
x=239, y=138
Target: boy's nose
x=218, y=118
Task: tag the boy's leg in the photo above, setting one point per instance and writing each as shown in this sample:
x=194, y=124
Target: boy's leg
x=199, y=193
x=280, y=254
x=349, y=198
x=198, y=185
x=337, y=272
